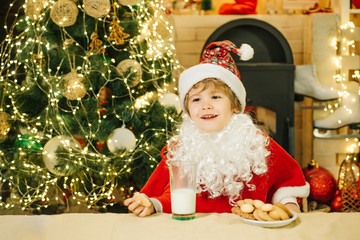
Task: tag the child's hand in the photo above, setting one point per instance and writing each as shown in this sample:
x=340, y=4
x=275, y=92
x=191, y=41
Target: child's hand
x=135, y=206
x=293, y=207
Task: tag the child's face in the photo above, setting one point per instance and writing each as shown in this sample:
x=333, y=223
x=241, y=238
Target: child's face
x=210, y=109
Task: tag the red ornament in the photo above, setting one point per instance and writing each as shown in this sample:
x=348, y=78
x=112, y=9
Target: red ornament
x=81, y=140
x=356, y=3
x=336, y=204
x=100, y=144
x=66, y=194
x=168, y=11
x=322, y=183
x=104, y=94
x=358, y=183
x=102, y=111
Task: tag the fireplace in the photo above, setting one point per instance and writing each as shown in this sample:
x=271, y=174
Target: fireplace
x=268, y=77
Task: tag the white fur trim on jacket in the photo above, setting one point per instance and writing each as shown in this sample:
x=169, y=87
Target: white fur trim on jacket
x=285, y=192
x=197, y=73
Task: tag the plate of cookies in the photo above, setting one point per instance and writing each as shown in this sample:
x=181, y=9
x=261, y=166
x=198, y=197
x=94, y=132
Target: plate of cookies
x=256, y=212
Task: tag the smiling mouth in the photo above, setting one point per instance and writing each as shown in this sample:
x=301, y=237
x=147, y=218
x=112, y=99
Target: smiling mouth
x=210, y=116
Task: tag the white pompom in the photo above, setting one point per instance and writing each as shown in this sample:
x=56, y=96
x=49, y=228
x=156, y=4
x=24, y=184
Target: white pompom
x=246, y=52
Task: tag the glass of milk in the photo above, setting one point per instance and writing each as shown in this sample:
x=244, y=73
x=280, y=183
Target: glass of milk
x=183, y=186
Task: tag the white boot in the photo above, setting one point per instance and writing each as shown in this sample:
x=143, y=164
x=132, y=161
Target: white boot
x=307, y=84
x=347, y=114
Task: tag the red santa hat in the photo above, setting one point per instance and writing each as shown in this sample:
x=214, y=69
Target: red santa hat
x=216, y=62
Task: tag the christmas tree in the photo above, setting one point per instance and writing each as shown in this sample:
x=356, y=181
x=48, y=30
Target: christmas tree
x=87, y=102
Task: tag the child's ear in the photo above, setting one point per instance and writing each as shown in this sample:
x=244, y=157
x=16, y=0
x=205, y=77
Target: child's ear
x=237, y=110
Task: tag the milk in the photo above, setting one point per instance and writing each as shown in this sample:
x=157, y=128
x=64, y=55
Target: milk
x=183, y=201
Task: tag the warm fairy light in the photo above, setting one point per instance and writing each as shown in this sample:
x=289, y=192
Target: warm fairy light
x=356, y=75
x=347, y=48
x=155, y=31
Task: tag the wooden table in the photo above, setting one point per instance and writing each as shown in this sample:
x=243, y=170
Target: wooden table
x=308, y=226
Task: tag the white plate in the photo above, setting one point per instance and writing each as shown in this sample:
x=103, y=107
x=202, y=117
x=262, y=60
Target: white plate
x=270, y=224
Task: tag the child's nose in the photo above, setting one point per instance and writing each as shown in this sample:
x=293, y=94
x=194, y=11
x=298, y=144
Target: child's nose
x=206, y=105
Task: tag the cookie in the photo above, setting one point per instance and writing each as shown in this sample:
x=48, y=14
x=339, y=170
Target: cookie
x=240, y=202
x=258, y=210
x=249, y=201
x=238, y=211
x=264, y=215
x=278, y=213
x=258, y=203
x=267, y=207
x=144, y=200
x=283, y=207
x=275, y=214
x=247, y=208
x=256, y=215
x=235, y=210
x=247, y=215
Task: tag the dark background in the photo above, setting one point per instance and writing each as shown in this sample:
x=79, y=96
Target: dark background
x=4, y=7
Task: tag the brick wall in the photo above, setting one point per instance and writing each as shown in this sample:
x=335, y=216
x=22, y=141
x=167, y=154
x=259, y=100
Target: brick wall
x=192, y=31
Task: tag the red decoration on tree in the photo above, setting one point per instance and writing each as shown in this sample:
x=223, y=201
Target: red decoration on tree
x=67, y=193
x=322, y=183
x=81, y=140
x=104, y=94
x=100, y=144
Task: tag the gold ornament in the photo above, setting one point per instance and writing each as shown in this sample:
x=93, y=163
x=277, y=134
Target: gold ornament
x=4, y=125
x=117, y=33
x=64, y=13
x=97, y=8
x=73, y=86
x=33, y=8
x=68, y=42
x=39, y=59
x=133, y=70
x=96, y=44
x=350, y=193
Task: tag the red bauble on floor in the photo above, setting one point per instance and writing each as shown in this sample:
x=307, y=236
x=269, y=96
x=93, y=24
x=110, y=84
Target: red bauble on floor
x=322, y=183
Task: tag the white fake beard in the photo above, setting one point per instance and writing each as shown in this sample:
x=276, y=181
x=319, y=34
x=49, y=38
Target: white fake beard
x=226, y=159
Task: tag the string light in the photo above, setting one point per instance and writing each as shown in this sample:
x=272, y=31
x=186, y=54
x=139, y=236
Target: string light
x=347, y=48
x=94, y=186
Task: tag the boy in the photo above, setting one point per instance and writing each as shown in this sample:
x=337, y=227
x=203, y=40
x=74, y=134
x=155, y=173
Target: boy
x=235, y=159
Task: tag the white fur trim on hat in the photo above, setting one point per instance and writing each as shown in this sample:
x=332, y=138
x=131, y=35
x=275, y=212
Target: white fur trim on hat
x=300, y=191
x=199, y=72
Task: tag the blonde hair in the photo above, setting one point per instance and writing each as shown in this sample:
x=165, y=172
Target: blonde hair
x=215, y=84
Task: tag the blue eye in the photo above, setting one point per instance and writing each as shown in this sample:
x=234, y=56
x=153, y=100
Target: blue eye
x=216, y=97
x=196, y=100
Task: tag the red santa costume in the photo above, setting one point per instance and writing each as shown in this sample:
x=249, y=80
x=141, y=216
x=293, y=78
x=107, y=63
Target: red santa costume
x=234, y=163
